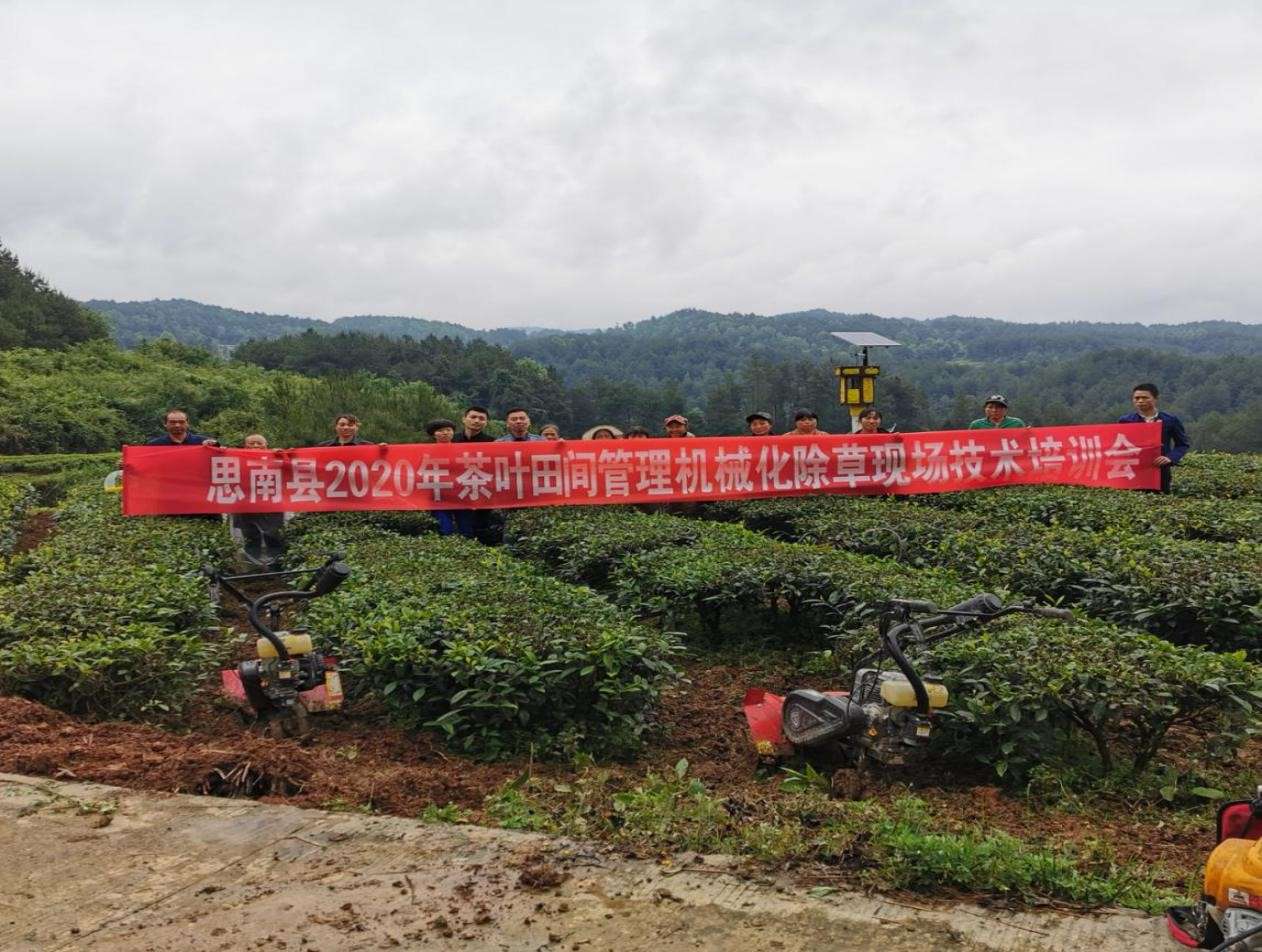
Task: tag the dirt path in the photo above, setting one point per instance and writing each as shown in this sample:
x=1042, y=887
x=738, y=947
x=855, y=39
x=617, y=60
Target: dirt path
x=91, y=867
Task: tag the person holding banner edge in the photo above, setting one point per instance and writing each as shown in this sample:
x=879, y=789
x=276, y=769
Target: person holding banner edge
x=1174, y=439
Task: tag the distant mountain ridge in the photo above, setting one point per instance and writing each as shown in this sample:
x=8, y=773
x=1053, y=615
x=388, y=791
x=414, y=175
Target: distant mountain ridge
x=671, y=346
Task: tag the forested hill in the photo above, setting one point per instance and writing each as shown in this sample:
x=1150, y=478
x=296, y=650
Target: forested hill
x=691, y=343
x=205, y=325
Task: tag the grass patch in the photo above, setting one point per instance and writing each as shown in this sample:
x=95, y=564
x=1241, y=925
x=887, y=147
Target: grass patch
x=898, y=844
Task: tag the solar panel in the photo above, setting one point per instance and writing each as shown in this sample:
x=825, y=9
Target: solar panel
x=865, y=339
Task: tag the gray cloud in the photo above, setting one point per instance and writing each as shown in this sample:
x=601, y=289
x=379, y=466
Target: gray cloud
x=585, y=164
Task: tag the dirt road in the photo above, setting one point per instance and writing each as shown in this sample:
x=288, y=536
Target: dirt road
x=91, y=867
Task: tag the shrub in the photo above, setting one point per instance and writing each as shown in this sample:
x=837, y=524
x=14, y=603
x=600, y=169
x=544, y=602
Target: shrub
x=454, y=636
x=1096, y=510
x=726, y=567
x=314, y=534
x=1219, y=476
x=137, y=671
x=692, y=574
x=16, y=497
x=1026, y=539
x=1190, y=592
x=1022, y=688
x=109, y=617
x=584, y=545
x=53, y=474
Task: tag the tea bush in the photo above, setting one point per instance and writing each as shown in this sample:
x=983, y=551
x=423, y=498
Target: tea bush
x=853, y=522
x=140, y=671
x=15, y=499
x=1021, y=689
x=53, y=474
x=1190, y=592
x=1027, y=539
x=584, y=545
x=314, y=534
x=109, y=617
x=1096, y=510
x=502, y=658
x=695, y=574
x=726, y=567
x=1219, y=476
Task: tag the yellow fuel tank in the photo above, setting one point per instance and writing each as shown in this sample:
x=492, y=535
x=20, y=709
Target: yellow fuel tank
x=1233, y=875
x=897, y=692
x=294, y=644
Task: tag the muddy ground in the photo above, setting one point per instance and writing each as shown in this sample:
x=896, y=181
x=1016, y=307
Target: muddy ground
x=92, y=867
x=357, y=760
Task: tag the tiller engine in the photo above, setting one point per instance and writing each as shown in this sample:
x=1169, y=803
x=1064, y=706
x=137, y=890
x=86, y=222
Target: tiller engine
x=887, y=716
x=290, y=678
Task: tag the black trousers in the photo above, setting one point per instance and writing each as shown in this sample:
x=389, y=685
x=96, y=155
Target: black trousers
x=262, y=534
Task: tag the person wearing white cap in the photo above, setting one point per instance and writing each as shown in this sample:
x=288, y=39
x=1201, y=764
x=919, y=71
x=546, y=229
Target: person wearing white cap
x=996, y=417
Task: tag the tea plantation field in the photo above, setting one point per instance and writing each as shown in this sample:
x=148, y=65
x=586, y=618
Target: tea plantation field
x=590, y=671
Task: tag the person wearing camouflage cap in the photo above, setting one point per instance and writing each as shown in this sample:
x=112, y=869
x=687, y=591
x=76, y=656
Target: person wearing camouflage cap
x=676, y=425
x=759, y=423
x=996, y=417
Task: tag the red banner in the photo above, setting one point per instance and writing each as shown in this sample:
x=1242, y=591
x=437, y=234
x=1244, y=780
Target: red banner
x=167, y=480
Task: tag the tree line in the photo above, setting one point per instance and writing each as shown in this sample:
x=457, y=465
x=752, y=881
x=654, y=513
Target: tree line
x=1220, y=398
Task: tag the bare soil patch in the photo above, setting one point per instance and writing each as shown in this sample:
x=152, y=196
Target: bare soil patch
x=36, y=529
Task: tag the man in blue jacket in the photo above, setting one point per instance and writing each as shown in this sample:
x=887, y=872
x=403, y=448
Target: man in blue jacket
x=1174, y=439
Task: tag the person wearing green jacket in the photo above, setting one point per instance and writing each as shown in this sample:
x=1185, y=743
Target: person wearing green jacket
x=996, y=417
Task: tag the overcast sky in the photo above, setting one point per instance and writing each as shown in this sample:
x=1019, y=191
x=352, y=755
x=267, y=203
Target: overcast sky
x=583, y=164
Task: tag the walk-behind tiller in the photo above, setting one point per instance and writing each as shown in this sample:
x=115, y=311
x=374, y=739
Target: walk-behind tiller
x=887, y=715
x=290, y=678
x=1229, y=915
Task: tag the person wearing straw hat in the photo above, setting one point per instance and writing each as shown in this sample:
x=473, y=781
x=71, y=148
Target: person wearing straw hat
x=603, y=431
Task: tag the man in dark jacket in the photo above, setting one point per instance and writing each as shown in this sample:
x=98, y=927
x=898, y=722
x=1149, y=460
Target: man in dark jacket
x=517, y=422
x=175, y=422
x=1174, y=439
x=346, y=432
x=485, y=525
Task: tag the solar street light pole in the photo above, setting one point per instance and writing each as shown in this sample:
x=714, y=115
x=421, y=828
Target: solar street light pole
x=856, y=383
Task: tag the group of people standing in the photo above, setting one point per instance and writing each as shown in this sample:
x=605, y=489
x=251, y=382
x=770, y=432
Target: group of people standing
x=262, y=537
